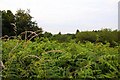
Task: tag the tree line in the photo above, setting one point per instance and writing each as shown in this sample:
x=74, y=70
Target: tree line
x=14, y=24
x=96, y=36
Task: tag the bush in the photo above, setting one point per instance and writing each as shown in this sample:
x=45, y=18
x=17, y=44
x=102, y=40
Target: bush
x=50, y=59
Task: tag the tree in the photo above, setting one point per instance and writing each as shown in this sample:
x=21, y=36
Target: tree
x=7, y=18
x=47, y=35
x=22, y=20
x=77, y=31
x=59, y=33
x=86, y=36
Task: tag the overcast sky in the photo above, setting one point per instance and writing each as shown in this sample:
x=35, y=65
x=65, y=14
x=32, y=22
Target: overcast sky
x=66, y=16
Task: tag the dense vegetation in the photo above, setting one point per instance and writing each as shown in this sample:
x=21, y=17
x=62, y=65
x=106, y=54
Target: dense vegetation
x=51, y=59
x=21, y=21
x=38, y=55
x=14, y=24
x=103, y=36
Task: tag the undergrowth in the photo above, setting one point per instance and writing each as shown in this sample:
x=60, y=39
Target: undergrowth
x=50, y=59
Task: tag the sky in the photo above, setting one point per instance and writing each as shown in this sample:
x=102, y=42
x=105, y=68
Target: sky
x=66, y=16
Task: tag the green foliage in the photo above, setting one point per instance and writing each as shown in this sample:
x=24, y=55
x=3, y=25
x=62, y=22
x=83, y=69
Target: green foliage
x=104, y=36
x=63, y=37
x=51, y=59
x=7, y=18
x=47, y=35
x=22, y=21
x=86, y=36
